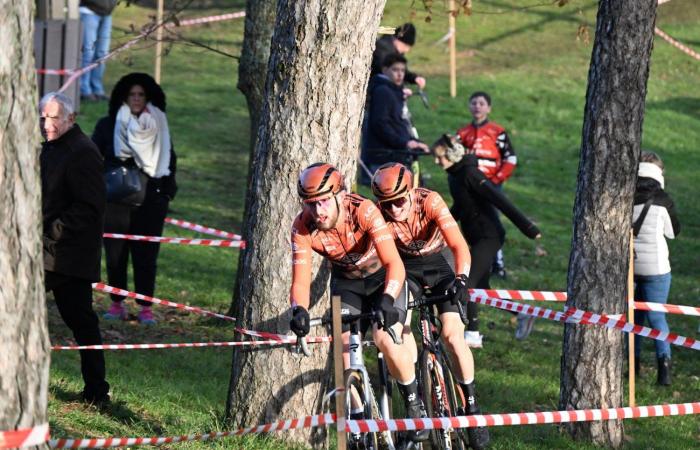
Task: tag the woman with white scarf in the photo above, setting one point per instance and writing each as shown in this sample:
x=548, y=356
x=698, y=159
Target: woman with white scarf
x=136, y=133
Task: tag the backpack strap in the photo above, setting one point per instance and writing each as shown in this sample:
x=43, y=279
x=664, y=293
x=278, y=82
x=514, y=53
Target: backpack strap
x=637, y=225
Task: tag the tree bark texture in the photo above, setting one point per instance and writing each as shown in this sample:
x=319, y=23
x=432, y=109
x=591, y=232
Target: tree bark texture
x=591, y=369
x=315, y=93
x=24, y=344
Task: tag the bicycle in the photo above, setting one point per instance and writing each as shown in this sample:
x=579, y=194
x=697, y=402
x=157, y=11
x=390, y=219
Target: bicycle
x=358, y=386
x=441, y=396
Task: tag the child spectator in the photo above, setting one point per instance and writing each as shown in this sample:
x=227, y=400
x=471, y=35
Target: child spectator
x=491, y=145
x=654, y=219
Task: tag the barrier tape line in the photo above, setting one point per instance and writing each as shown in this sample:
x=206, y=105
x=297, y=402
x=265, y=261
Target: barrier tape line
x=208, y=19
x=124, y=293
x=202, y=229
x=532, y=418
x=684, y=48
x=281, y=425
x=270, y=342
x=182, y=241
x=24, y=437
x=550, y=296
x=574, y=315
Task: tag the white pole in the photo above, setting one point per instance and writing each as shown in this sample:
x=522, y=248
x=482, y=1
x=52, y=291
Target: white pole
x=159, y=41
x=453, y=50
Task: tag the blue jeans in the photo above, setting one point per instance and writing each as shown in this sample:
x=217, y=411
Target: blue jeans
x=96, y=34
x=652, y=288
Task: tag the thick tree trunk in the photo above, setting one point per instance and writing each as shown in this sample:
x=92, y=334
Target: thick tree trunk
x=591, y=369
x=24, y=344
x=315, y=91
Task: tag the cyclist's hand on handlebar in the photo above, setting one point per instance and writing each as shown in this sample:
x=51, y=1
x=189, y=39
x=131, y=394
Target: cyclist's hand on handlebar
x=391, y=316
x=460, y=295
x=300, y=321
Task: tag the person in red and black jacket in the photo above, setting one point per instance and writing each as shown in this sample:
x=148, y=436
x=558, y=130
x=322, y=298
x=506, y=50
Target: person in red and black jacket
x=490, y=143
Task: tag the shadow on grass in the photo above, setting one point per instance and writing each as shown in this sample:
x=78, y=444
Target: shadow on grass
x=690, y=106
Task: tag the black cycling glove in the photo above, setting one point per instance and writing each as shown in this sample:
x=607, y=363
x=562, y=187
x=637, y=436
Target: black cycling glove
x=391, y=315
x=460, y=296
x=300, y=321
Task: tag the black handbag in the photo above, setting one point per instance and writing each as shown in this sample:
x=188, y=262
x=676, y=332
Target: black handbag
x=125, y=183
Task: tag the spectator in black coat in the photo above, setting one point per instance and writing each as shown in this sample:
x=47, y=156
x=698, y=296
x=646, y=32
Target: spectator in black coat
x=401, y=42
x=387, y=128
x=137, y=124
x=73, y=204
x=475, y=198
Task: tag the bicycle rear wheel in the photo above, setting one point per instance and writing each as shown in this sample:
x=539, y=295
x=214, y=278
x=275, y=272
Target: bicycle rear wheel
x=355, y=386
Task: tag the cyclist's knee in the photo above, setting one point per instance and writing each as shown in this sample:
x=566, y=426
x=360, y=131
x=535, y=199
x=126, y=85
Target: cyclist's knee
x=452, y=329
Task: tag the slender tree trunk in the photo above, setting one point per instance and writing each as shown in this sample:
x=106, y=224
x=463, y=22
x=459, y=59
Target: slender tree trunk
x=315, y=91
x=24, y=345
x=591, y=369
x=252, y=68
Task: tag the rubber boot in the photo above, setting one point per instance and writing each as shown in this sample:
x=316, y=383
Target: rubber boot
x=478, y=436
x=664, y=375
x=414, y=410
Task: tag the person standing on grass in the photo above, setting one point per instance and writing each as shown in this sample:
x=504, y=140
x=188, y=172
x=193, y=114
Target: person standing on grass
x=436, y=257
x=73, y=204
x=349, y=231
x=490, y=143
x=96, y=21
x=136, y=132
x=475, y=202
x=654, y=220
x=400, y=43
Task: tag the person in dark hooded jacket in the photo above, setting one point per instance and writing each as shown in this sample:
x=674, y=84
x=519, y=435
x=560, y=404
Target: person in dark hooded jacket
x=475, y=198
x=136, y=132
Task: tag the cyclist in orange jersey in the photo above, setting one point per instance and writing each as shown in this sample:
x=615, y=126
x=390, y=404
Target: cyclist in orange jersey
x=436, y=257
x=367, y=273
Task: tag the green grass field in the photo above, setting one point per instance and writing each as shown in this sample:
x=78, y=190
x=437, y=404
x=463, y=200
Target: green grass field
x=534, y=62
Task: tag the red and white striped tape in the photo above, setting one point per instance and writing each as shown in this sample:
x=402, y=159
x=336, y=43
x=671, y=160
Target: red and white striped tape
x=533, y=418
x=55, y=71
x=202, y=229
x=550, y=296
x=209, y=19
x=684, y=48
x=182, y=241
x=573, y=315
x=270, y=342
x=124, y=293
x=281, y=425
x=25, y=437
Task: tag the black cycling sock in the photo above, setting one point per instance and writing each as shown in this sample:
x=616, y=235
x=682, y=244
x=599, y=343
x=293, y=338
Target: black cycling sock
x=409, y=392
x=469, y=391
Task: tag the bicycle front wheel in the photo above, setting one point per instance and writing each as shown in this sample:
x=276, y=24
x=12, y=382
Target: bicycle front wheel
x=357, y=398
x=435, y=397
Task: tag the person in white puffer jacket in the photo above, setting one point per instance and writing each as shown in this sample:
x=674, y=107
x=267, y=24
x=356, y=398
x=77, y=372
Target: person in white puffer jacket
x=654, y=220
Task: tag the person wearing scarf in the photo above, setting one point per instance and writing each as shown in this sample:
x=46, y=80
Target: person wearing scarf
x=135, y=132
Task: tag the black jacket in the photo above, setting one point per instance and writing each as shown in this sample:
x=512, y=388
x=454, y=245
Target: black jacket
x=73, y=205
x=101, y=7
x=474, y=200
x=387, y=129
x=385, y=47
x=103, y=137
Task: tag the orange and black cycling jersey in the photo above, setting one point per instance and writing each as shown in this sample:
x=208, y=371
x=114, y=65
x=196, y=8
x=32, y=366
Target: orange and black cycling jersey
x=491, y=145
x=359, y=245
x=428, y=228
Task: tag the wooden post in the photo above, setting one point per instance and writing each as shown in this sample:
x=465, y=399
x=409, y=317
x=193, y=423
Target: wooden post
x=630, y=319
x=453, y=50
x=159, y=41
x=338, y=371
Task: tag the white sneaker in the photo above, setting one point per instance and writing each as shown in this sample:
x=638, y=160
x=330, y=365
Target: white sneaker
x=473, y=339
x=525, y=323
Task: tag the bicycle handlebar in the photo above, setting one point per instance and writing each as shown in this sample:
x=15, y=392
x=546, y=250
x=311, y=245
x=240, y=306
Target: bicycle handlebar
x=429, y=301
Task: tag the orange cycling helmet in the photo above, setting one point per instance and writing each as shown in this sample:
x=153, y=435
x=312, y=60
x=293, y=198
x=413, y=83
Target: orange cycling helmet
x=319, y=181
x=390, y=181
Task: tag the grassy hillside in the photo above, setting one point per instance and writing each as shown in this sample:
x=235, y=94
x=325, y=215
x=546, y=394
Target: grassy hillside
x=534, y=62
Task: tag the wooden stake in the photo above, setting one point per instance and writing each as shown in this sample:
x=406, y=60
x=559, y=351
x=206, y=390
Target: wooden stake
x=159, y=41
x=338, y=371
x=630, y=319
x=453, y=50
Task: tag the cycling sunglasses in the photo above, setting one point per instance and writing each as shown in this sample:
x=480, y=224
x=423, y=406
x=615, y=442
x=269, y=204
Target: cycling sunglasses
x=398, y=202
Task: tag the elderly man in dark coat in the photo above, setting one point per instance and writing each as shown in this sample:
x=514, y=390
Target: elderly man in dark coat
x=73, y=204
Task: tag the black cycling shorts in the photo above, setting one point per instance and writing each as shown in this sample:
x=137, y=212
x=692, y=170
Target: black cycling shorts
x=358, y=296
x=435, y=272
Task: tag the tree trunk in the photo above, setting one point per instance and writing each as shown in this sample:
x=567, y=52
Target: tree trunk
x=24, y=344
x=591, y=369
x=315, y=91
